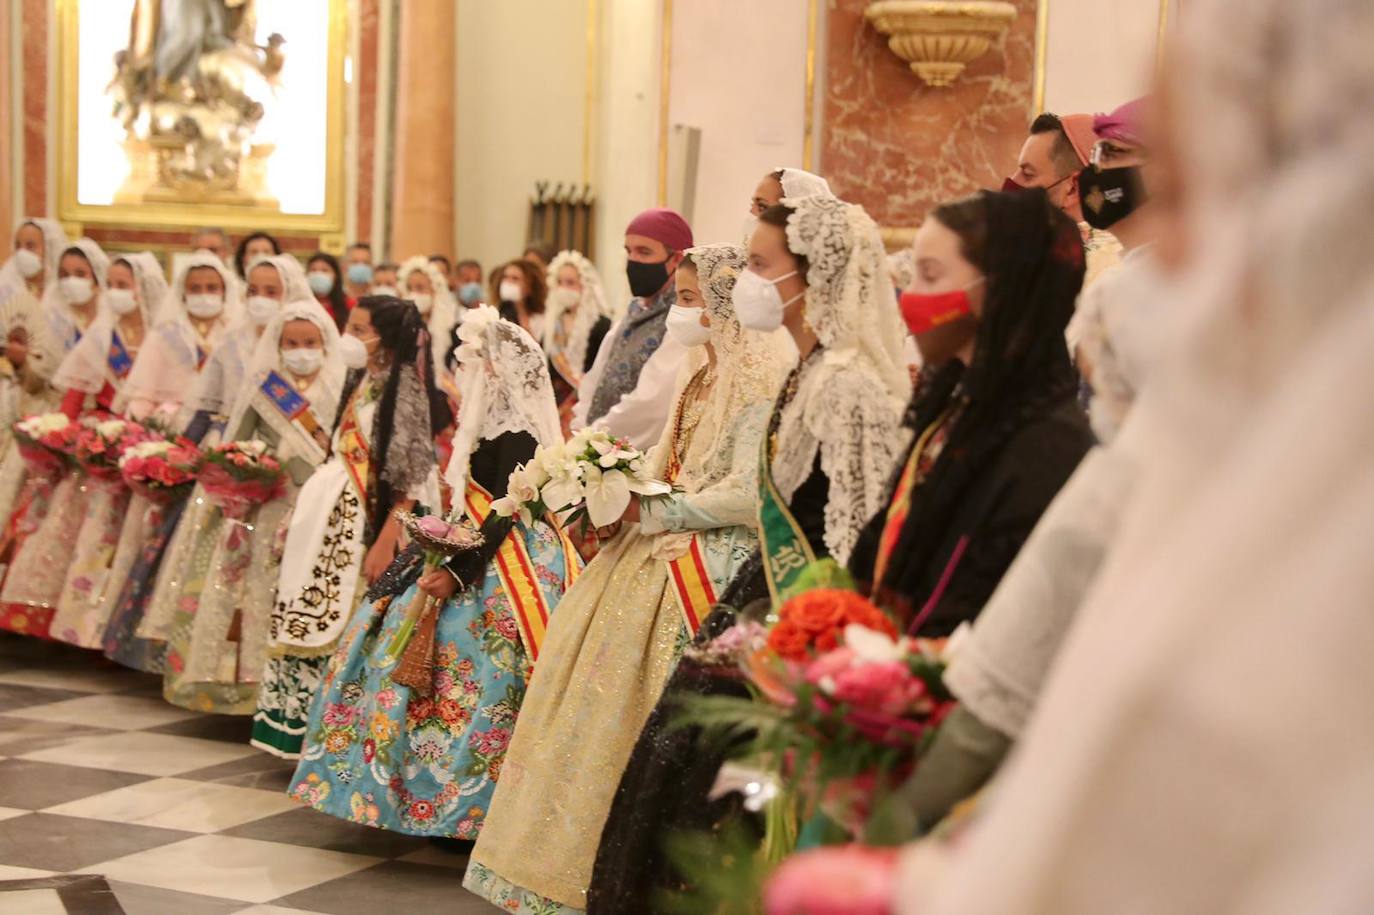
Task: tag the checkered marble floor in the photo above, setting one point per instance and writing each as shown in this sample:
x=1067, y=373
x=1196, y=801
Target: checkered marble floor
x=112, y=801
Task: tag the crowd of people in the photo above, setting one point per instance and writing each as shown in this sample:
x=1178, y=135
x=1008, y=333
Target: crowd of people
x=1093, y=443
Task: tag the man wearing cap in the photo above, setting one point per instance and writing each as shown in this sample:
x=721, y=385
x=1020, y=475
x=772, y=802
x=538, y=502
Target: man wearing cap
x=628, y=390
x=1055, y=152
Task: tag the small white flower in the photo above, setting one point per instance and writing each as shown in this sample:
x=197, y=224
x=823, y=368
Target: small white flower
x=111, y=428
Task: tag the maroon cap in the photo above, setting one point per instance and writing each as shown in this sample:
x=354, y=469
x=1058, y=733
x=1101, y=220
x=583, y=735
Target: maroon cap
x=664, y=226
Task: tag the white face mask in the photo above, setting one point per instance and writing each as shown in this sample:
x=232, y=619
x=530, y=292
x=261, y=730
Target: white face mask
x=306, y=362
x=76, y=290
x=751, y=225
x=27, y=263
x=758, y=304
x=509, y=290
x=424, y=302
x=564, y=298
x=383, y=290
x=353, y=352
x=261, y=309
x=121, y=301
x=204, y=305
x=684, y=325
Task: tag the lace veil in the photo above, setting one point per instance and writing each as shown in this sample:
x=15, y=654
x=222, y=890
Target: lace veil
x=797, y=183
x=58, y=332
x=443, y=313
x=750, y=367
x=167, y=365
x=849, y=401
x=328, y=386
x=503, y=377
x=86, y=367
x=12, y=281
x=591, y=309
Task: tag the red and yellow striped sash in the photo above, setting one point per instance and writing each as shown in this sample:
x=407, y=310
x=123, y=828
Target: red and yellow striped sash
x=695, y=593
x=517, y=573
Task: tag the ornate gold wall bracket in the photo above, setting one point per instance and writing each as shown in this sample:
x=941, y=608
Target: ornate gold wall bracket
x=938, y=38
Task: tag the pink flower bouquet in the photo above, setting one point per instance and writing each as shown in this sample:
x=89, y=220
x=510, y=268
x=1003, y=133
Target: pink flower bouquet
x=161, y=470
x=237, y=476
x=47, y=442
x=101, y=443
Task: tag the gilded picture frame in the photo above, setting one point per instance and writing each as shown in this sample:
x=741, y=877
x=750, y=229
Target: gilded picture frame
x=195, y=213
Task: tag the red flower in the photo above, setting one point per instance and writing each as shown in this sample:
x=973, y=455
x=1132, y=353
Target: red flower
x=369, y=750
x=421, y=709
x=422, y=810
x=789, y=640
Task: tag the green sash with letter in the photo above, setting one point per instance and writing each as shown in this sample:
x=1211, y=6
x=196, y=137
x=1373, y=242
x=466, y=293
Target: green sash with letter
x=786, y=551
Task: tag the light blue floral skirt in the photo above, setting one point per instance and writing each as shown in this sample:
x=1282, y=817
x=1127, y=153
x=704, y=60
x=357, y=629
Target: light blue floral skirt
x=425, y=766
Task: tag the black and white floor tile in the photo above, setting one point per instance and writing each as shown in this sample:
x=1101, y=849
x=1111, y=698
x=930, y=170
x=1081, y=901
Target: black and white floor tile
x=113, y=802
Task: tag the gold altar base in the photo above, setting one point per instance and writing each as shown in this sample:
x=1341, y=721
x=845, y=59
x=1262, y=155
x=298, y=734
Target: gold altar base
x=150, y=181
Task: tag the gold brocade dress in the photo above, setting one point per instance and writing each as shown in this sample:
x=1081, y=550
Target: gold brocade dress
x=609, y=652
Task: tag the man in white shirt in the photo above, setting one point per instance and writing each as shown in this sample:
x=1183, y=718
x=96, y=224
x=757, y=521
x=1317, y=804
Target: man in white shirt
x=628, y=390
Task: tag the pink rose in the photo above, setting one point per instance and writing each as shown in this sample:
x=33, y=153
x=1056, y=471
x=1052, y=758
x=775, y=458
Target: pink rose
x=888, y=687
x=829, y=665
x=836, y=880
x=507, y=628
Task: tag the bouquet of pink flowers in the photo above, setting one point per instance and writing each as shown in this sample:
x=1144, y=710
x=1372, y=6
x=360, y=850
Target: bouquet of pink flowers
x=839, y=880
x=412, y=647
x=101, y=443
x=161, y=470
x=240, y=475
x=47, y=442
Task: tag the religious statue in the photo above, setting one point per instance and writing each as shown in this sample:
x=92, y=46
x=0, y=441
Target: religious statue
x=190, y=89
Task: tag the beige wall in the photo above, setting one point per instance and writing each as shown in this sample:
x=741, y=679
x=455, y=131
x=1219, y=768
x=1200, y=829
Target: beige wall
x=1100, y=53
x=738, y=74
x=521, y=97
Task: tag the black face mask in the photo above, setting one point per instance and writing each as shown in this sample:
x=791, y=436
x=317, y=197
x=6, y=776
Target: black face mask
x=646, y=279
x=1109, y=195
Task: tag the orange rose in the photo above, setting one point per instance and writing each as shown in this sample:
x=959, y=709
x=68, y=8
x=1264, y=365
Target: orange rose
x=789, y=641
x=816, y=611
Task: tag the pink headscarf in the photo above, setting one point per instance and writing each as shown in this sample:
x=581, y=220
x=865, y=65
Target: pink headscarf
x=1125, y=123
x=664, y=226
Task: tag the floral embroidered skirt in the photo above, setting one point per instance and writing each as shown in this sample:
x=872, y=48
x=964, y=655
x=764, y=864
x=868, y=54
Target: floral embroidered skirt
x=375, y=754
x=42, y=552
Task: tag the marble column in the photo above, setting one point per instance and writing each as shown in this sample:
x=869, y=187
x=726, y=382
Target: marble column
x=7, y=209
x=422, y=205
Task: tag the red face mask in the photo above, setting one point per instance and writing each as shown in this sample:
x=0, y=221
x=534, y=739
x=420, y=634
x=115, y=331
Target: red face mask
x=924, y=312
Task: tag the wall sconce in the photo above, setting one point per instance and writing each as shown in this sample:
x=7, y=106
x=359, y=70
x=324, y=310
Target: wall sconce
x=939, y=37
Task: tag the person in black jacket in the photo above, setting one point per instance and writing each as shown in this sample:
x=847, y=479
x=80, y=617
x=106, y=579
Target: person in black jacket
x=997, y=427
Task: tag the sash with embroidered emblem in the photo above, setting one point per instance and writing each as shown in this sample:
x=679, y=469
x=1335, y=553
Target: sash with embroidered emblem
x=118, y=358
x=516, y=570
x=353, y=449
x=292, y=404
x=785, y=549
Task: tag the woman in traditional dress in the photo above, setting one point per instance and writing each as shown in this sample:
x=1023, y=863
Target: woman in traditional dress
x=422, y=752
x=41, y=531
x=621, y=628
x=38, y=244
x=997, y=425
x=92, y=375
x=422, y=282
x=218, y=636
x=344, y=533
x=818, y=268
x=195, y=318
x=270, y=281
x=575, y=322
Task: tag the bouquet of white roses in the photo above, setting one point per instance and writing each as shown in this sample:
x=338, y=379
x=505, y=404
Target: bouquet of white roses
x=589, y=478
